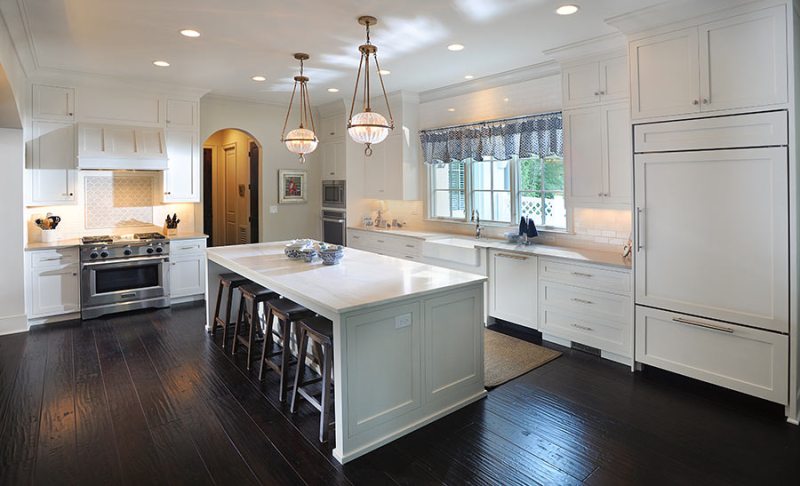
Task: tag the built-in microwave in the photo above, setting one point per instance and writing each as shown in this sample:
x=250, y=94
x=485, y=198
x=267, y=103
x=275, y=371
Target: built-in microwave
x=333, y=194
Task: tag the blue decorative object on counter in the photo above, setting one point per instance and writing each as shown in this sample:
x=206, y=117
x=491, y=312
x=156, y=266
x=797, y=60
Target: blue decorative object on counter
x=531, y=229
x=331, y=254
x=294, y=248
x=308, y=254
x=523, y=226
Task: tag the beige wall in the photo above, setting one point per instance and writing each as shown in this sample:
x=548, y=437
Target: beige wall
x=12, y=299
x=264, y=122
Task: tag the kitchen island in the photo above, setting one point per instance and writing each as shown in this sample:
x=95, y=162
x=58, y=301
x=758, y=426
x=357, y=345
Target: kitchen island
x=408, y=337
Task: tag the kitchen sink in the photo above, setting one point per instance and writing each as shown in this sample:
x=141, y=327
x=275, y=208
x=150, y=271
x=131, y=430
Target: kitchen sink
x=458, y=250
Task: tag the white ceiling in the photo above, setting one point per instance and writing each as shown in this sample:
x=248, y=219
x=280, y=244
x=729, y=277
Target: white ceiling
x=242, y=38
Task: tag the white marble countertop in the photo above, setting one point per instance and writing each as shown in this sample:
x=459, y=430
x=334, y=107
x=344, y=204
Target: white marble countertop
x=585, y=255
x=362, y=279
x=70, y=242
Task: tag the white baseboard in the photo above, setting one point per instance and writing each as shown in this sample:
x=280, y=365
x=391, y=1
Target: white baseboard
x=603, y=354
x=53, y=319
x=13, y=324
x=188, y=298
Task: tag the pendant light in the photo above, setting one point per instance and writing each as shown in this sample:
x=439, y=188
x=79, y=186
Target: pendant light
x=302, y=140
x=368, y=127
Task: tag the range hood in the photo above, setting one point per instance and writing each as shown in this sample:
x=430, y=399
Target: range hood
x=120, y=147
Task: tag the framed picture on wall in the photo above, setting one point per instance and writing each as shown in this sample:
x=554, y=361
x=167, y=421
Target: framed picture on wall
x=292, y=186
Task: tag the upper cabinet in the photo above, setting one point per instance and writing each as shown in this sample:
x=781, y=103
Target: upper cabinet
x=392, y=171
x=592, y=83
x=182, y=114
x=52, y=163
x=735, y=63
x=102, y=146
x=54, y=103
x=182, y=177
x=334, y=160
x=333, y=127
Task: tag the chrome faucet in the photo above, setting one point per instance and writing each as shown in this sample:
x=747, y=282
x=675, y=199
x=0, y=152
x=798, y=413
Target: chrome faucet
x=476, y=218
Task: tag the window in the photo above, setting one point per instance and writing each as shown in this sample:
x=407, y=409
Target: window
x=541, y=191
x=476, y=168
x=449, y=189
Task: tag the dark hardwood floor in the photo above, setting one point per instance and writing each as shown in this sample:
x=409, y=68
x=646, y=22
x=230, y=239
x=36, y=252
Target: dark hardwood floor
x=149, y=398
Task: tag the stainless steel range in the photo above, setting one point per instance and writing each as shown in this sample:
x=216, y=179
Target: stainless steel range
x=123, y=274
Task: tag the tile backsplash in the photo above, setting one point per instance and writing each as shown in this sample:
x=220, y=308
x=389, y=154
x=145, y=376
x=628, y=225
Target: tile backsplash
x=119, y=200
x=112, y=203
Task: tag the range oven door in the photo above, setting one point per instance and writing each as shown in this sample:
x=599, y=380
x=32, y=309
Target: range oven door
x=120, y=281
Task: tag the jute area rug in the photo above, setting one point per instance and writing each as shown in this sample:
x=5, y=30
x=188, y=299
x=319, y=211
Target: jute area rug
x=506, y=357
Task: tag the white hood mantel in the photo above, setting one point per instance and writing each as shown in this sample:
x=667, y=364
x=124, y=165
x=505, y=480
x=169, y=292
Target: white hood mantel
x=120, y=147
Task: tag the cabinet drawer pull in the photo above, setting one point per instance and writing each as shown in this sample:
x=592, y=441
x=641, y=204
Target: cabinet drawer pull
x=581, y=274
x=639, y=244
x=51, y=259
x=513, y=257
x=582, y=328
x=356, y=237
x=188, y=247
x=582, y=301
x=409, y=257
x=695, y=102
x=410, y=246
x=705, y=325
x=381, y=241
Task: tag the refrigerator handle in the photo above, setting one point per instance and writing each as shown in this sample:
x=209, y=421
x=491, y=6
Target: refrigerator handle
x=639, y=244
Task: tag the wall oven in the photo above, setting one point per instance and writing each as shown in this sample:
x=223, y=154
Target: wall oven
x=333, y=194
x=334, y=227
x=120, y=279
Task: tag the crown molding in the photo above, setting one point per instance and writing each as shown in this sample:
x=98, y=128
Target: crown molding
x=90, y=79
x=212, y=96
x=672, y=12
x=612, y=43
x=527, y=73
x=16, y=26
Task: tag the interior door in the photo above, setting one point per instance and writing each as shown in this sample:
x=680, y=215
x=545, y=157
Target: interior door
x=744, y=60
x=231, y=195
x=712, y=233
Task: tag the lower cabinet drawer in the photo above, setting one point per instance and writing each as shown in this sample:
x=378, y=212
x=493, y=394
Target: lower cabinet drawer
x=606, y=334
x=589, y=276
x=585, y=301
x=48, y=258
x=748, y=360
x=186, y=247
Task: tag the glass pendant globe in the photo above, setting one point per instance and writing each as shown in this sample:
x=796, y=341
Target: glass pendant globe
x=301, y=141
x=368, y=127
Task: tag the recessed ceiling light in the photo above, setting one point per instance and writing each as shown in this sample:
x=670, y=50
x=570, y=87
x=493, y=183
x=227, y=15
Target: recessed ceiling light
x=190, y=33
x=567, y=9
x=451, y=109
x=469, y=76
x=384, y=72
x=505, y=99
x=333, y=90
x=455, y=47
x=259, y=78
x=161, y=63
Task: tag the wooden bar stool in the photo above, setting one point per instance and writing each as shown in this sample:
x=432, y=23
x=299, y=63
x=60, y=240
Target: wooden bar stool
x=286, y=312
x=228, y=281
x=253, y=297
x=320, y=331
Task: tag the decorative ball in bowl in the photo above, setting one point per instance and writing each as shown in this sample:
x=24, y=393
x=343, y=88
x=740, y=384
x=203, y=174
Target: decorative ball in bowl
x=331, y=254
x=308, y=254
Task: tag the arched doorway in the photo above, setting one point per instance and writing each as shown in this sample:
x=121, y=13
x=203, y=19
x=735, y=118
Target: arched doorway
x=231, y=165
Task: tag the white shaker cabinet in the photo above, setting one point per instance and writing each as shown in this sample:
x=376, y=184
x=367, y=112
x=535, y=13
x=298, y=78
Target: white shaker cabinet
x=187, y=272
x=665, y=74
x=53, y=282
x=334, y=160
x=53, y=103
x=512, y=287
x=743, y=61
x=182, y=114
x=597, y=152
x=52, y=162
x=182, y=177
x=734, y=63
x=711, y=235
x=595, y=82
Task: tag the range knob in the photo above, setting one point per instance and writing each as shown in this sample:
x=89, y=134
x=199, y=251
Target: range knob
x=127, y=251
x=159, y=249
x=103, y=254
x=150, y=250
x=93, y=255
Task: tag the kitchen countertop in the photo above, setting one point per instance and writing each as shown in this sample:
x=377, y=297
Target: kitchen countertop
x=71, y=242
x=585, y=255
x=362, y=279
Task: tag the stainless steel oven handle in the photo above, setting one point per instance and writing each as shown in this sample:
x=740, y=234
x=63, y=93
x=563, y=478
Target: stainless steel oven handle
x=126, y=261
x=328, y=220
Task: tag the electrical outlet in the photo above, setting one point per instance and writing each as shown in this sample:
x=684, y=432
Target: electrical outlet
x=273, y=209
x=402, y=321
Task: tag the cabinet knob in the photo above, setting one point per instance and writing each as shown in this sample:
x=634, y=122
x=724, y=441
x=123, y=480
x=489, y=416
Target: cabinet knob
x=69, y=114
x=705, y=101
x=695, y=102
x=597, y=93
x=167, y=193
x=600, y=194
x=602, y=92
